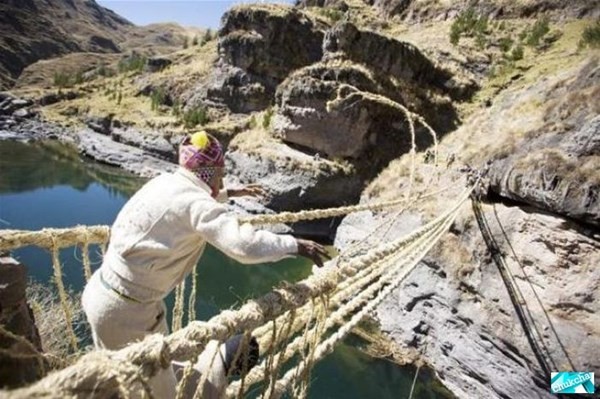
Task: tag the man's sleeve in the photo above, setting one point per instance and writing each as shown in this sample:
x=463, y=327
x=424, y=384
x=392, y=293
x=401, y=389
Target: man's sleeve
x=221, y=228
x=222, y=197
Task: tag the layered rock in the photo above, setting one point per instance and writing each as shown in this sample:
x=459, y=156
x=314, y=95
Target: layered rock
x=426, y=10
x=557, y=168
x=259, y=46
x=341, y=107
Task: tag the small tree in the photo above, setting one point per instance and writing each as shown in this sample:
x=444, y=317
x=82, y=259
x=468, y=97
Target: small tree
x=207, y=36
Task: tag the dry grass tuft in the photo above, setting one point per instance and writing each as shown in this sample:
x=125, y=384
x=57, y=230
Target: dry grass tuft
x=51, y=324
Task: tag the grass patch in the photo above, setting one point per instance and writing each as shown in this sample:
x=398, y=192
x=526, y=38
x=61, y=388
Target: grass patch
x=590, y=37
x=51, y=324
x=468, y=23
x=195, y=116
x=132, y=63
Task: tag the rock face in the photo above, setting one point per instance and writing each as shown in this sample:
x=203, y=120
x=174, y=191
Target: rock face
x=259, y=46
x=455, y=310
x=424, y=10
x=294, y=179
x=341, y=106
x=557, y=169
x=19, y=364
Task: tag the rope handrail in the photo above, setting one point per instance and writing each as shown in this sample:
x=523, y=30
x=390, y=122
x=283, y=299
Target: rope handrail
x=293, y=217
x=50, y=238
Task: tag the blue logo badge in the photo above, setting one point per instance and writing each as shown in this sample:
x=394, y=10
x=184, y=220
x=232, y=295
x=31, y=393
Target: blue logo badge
x=572, y=382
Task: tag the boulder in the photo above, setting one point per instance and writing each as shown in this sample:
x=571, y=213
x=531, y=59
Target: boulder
x=99, y=124
x=20, y=364
x=155, y=64
x=295, y=180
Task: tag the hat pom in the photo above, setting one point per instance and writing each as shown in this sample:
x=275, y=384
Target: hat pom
x=200, y=140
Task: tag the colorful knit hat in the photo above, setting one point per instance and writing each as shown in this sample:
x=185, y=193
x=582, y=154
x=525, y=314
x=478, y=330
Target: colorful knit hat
x=201, y=153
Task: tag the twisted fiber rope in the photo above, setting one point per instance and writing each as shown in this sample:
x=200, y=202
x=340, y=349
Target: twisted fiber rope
x=192, y=299
x=419, y=248
x=153, y=353
x=62, y=294
x=347, y=288
x=177, y=321
x=48, y=238
x=314, y=336
x=293, y=217
x=85, y=251
x=327, y=346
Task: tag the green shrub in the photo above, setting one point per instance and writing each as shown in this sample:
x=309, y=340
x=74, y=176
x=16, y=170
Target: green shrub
x=195, y=116
x=134, y=62
x=517, y=53
x=539, y=30
x=266, y=122
x=176, y=108
x=207, y=36
x=331, y=13
x=252, y=122
x=186, y=43
x=157, y=98
x=505, y=44
x=195, y=41
x=468, y=23
x=104, y=71
x=590, y=37
x=62, y=79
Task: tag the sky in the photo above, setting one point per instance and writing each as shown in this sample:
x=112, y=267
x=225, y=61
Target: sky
x=198, y=13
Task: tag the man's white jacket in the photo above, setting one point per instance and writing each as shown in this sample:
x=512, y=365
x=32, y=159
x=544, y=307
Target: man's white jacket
x=160, y=234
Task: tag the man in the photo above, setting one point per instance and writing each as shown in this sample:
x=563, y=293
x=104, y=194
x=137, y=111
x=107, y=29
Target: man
x=157, y=240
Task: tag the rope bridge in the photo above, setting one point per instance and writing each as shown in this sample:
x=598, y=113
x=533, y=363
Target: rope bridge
x=295, y=324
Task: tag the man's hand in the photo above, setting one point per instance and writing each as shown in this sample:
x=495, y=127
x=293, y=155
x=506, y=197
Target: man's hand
x=251, y=190
x=313, y=251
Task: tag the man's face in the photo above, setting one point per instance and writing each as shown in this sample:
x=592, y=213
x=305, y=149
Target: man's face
x=217, y=180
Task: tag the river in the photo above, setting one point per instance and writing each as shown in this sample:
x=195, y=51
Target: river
x=47, y=184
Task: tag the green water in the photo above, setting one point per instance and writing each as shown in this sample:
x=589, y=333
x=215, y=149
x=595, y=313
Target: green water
x=48, y=185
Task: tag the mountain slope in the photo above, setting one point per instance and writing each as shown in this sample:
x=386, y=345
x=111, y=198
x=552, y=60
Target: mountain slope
x=31, y=30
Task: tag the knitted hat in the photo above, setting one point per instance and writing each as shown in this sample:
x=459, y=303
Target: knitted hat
x=202, y=154
x=201, y=150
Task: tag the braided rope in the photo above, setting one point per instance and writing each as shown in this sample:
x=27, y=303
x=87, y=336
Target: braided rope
x=177, y=321
x=293, y=217
x=49, y=238
x=192, y=299
x=85, y=252
x=62, y=294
